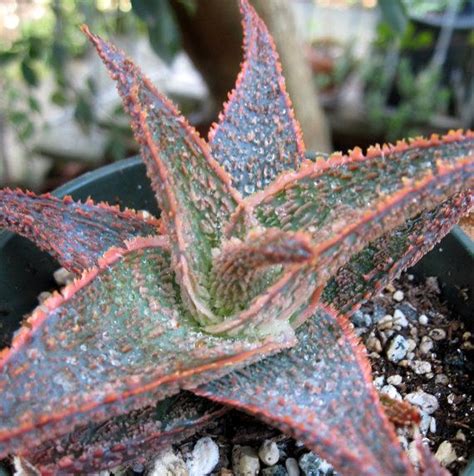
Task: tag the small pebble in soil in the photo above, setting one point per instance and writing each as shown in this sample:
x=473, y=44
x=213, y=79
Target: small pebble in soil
x=438, y=334
x=168, y=463
x=385, y=323
x=445, y=453
x=442, y=379
x=378, y=382
x=397, y=348
x=269, y=453
x=374, y=344
x=395, y=380
x=451, y=398
x=400, y=318
x=398, y=296
x=391, y=391
x=277, y=470
x=411, y=345
x=427, y=402
x=433, y=425
x=204, y=457
x=312, y=465
x=426, y=345
x=245, y=461
x=360, y=319
x=423, y=319
x=425, y=422
x=292, y=467
x=420, y=367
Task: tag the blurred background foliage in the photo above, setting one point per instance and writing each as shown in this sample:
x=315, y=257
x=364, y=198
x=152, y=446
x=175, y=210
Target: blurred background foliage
x=46, y=40
x=414, y=73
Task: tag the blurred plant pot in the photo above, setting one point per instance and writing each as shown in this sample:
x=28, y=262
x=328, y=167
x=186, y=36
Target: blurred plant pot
x=25, y=271
x=458, y=62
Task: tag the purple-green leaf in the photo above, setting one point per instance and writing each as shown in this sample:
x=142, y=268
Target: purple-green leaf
x=370, y=270
x=115, y=340
x=330, y=191
x=76, y=234
x=243, y=269
x=257, y=135
x=321, y=393
x=191, y=188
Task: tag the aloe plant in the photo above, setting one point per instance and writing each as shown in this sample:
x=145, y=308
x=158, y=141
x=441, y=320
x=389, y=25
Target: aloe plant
x=240, y=295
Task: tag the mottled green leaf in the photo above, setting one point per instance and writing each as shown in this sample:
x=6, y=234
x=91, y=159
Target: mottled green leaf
x=257, y=135
x=116, y=340
x=320, y=392
x=193, y=191
x=29, y=74
x=76, y=234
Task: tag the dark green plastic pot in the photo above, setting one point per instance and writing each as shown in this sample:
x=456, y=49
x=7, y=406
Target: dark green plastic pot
x=25, y=271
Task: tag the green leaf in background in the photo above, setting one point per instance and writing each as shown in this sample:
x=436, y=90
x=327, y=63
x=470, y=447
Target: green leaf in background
x=83, y=112
x=91, y=85
x=394, y=14
x=59, y=98
x=17, y=117
x=29, y=74
x=163, y=32
x=34, y=104
x=36, y=47
x=26, y=131
x=7, y=57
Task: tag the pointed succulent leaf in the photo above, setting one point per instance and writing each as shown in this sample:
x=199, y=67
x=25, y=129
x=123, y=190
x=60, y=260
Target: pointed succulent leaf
x=321, y=393
x=243, y=269
x=329, y=191
x=370, y=270
x=342, y=223
x=115, y=340
x=257, y=135
x=135, y=437
x=334, y=243
x=192, y=189
x=76, y=234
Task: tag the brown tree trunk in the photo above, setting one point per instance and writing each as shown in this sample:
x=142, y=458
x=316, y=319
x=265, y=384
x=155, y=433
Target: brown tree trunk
x=212, y=37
